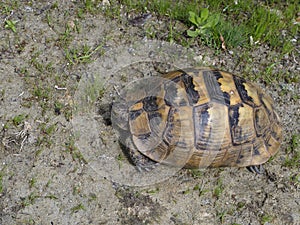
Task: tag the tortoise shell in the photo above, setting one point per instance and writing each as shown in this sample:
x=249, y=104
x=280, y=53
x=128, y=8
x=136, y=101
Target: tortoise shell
x=199, y=117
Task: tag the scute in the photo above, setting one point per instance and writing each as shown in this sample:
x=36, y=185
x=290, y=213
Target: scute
x=242, y=126
x=261, y=120
x=202, y=117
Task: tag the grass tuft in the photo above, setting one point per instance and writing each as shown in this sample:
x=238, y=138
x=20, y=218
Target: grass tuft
x=293, y=150
x=243, y=23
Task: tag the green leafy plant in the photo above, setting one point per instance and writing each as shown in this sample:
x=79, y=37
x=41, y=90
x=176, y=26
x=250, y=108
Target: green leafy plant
x=9, y=24
x=266, y=219
x=219, y=189
x=17, y=120
x=293, y=159
x=82, y=54
x=77, y=208
x=205, y=23
x=1, y=181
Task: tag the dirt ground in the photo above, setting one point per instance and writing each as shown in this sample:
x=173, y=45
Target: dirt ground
x=61, y=162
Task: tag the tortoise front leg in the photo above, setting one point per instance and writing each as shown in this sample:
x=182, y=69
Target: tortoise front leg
x=140, y=161
x=259, y=169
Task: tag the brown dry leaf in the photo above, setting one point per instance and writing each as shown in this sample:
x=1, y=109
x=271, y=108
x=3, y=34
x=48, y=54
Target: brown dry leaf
x=223, y=42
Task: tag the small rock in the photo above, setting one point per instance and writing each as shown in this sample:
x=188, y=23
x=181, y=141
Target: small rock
x=105, y=3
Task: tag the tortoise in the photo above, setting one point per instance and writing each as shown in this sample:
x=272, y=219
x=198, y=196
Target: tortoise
x=196, y=118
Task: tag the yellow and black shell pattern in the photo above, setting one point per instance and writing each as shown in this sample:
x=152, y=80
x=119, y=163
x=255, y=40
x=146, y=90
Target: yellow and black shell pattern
x=201, y=117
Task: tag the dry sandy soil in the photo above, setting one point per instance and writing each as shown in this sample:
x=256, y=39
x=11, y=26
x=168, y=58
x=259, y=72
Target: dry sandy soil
x=61, y=162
